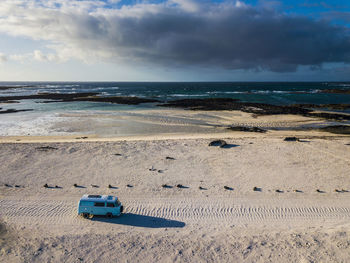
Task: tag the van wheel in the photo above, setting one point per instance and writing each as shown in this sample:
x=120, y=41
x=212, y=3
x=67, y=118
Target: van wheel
x=86, y=215
x=109, y=215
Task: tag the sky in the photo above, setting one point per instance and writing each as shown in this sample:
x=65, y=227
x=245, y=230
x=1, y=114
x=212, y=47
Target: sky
x=174, y=40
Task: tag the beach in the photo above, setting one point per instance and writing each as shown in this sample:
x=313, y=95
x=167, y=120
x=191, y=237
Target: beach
x=259, y=199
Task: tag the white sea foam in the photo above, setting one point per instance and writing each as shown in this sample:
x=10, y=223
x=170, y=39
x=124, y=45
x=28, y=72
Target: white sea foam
x=30, y=123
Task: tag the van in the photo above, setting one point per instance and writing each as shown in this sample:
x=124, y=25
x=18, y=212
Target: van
x=104, y=205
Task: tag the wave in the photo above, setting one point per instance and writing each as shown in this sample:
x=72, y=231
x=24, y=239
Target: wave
x=188, y=95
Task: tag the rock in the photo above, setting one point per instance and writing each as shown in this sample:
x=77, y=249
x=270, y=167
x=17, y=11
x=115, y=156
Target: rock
x=336, y=129
x=337, y=91
x=297, y=191
x=246, y=129
x=220, y=143
x=13, y=111
x=257, y=189
x=181, y=186
x=87, y=96
x=45, y=148
x=291, y=139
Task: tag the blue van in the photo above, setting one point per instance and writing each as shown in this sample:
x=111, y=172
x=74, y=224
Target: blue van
x=105, y=205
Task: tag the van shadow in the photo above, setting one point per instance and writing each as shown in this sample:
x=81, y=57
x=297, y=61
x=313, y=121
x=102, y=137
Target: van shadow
x=130, y=219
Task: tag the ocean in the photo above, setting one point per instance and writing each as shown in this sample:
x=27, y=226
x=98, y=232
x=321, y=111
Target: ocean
x=44, y=115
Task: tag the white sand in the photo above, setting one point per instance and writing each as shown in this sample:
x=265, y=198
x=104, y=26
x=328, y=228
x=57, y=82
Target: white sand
x=178, y=225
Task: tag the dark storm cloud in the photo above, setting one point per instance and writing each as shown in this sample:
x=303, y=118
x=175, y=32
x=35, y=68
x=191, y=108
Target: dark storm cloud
x=232, y=36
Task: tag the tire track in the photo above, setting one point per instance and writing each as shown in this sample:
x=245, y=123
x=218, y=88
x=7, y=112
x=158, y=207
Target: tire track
x=65, y=212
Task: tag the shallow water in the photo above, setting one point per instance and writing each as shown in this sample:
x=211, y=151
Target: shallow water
x=46, y=118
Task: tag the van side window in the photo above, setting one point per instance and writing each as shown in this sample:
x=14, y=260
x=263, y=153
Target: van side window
x=99, y=204
x=86, y=203
x=110, y=205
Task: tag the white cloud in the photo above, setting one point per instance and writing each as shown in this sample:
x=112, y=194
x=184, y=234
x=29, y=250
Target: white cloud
x=187, y=5
x=3, y=58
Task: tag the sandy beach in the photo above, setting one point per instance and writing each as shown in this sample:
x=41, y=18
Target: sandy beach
x=260, y=199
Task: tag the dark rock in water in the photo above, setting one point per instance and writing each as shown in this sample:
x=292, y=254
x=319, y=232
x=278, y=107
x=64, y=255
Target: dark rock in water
x=202, y=104
x=246, y=129
x=257, y=189
x=220, y=143
x=87, y=96
x=337, y=91
x=118, y=100
x=166, y=186
x=169, y=158
x=255, y=108
x=46, y=148
x=50, y=96
x=340, y=106
x=234, y=104
x=329, y=116
x=13, y=111
x=228, y=188
x=337, y=129
x=291, y=139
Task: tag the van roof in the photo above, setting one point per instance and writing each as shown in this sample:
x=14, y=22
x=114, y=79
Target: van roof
x=96, y=198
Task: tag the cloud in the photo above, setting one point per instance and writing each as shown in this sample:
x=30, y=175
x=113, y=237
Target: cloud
x=231, y=35
x=40, y=56
x=3, y=58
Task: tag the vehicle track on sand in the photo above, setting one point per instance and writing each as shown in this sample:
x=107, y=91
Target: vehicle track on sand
x=199, y=212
